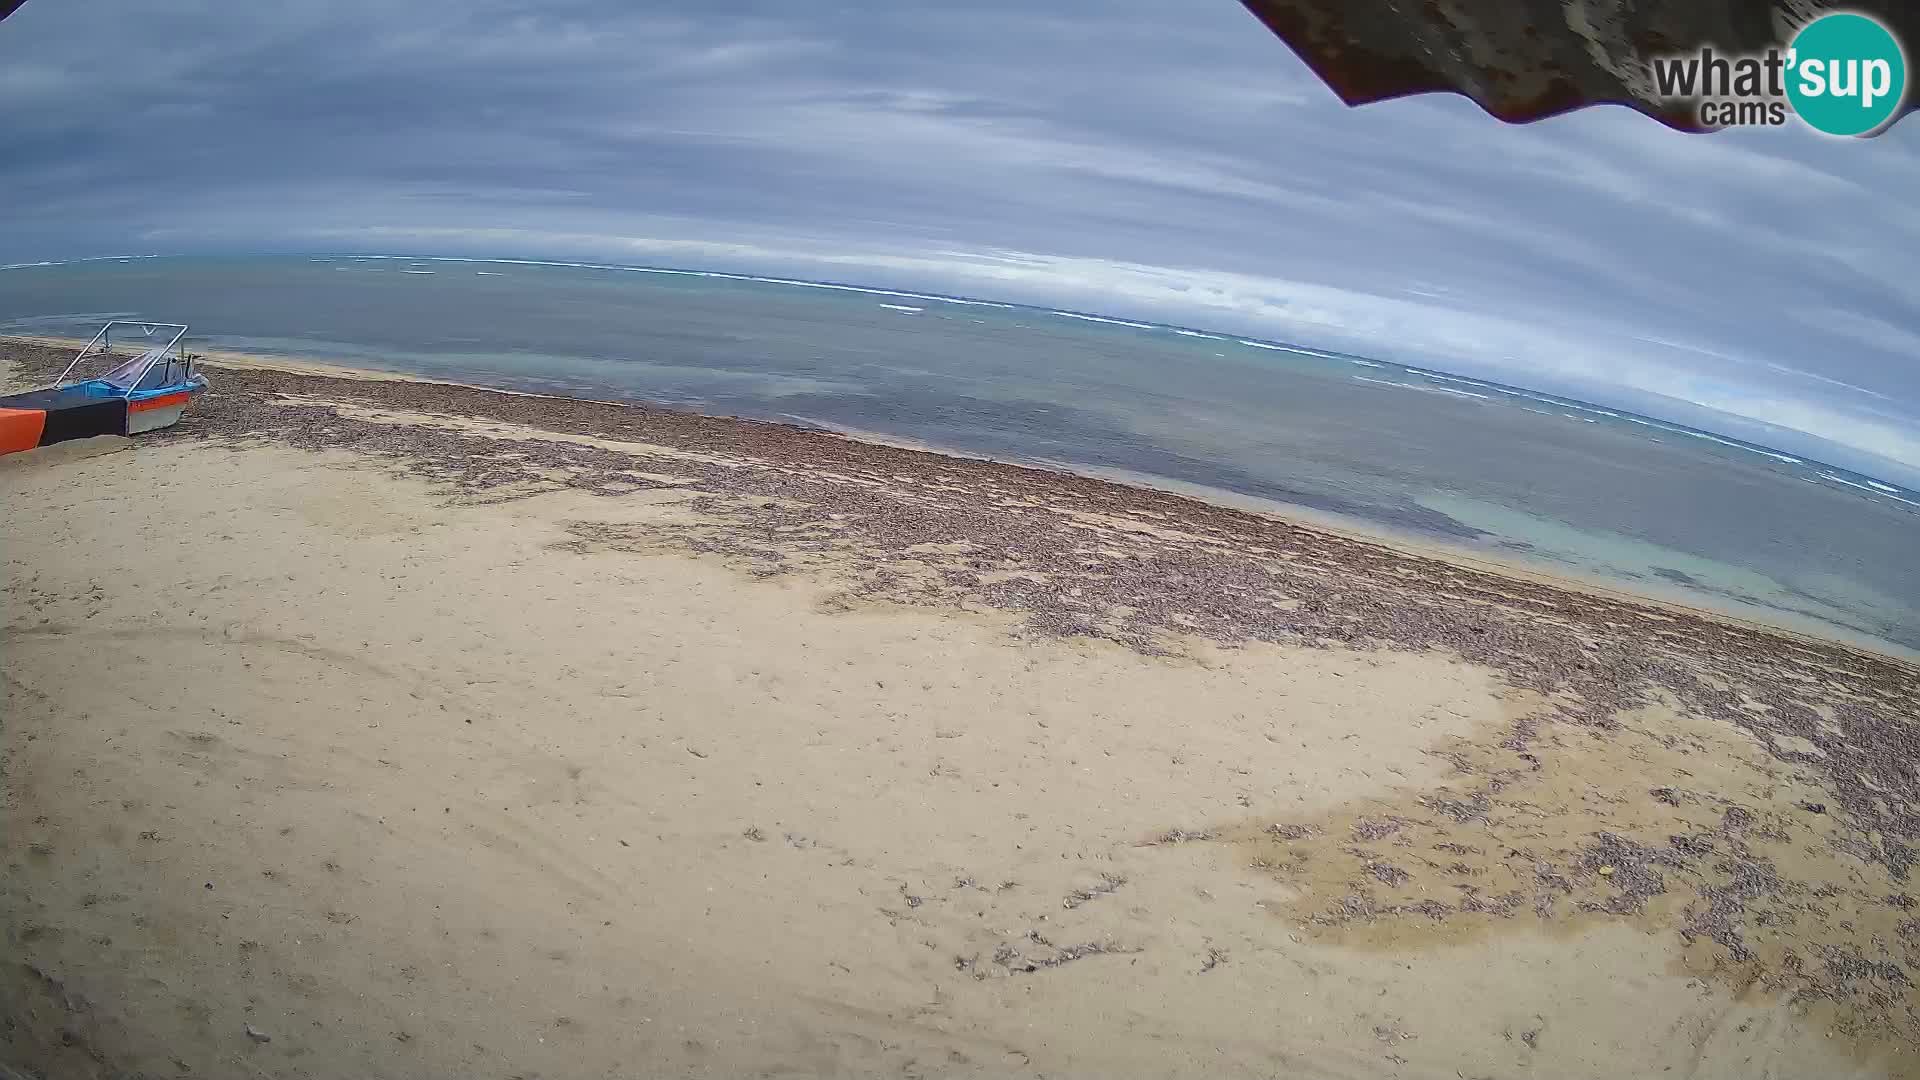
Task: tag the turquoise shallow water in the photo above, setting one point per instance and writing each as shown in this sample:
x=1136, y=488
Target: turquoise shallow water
x=1499, y=471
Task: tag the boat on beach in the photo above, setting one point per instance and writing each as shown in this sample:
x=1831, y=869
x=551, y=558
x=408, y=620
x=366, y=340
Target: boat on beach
x=149, y=390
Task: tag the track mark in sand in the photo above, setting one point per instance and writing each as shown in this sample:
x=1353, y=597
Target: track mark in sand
x=522, y=845
x=237, y=637
x=204, y=636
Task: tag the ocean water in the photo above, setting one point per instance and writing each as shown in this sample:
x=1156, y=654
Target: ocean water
x=1495, y=471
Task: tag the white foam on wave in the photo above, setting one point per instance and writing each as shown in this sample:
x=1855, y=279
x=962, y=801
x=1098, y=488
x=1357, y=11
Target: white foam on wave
x=1297, y=350
x=1109, y=322
x=1419, y=389
x=1364, y=363
x=1740, y=446
x=1543, y=399
x=1522, y=394
x=903, y=308
x=1877, y=489
x=1889, y=488
x=416, y=271
x=1844, y=480
x=1198, y=334
x=1672, y=430
x=828, y=286
x=485, y=273
x=74, y=262
x=1508, y=391
x=1454, y=379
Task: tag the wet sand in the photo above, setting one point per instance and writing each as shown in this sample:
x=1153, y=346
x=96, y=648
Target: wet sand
x=372, y=727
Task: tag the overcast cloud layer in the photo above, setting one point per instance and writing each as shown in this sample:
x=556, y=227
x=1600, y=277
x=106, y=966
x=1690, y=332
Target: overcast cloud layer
x=1147, y=159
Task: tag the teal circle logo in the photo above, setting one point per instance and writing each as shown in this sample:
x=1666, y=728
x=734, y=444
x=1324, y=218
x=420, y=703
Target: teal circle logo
x=1846, y=74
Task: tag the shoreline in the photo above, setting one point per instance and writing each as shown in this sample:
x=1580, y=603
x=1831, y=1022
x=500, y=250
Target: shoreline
x=1536, y=571
x=446, y=731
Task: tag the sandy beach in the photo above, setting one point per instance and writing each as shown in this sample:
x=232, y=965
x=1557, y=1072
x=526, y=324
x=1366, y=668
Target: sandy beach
x=368, y=727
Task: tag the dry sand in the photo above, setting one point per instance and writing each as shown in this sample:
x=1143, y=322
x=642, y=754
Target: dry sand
x=380, y=729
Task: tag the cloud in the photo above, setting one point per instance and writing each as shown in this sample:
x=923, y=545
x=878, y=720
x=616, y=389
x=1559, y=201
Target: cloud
x=1875, y=333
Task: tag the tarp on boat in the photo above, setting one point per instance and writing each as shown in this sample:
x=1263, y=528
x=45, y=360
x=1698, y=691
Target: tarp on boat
x=45, y=417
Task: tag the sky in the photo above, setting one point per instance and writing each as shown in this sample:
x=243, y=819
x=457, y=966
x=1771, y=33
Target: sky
x=1173, y=162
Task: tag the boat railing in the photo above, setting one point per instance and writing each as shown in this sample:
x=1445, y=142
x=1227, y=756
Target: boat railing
x=128, y=376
